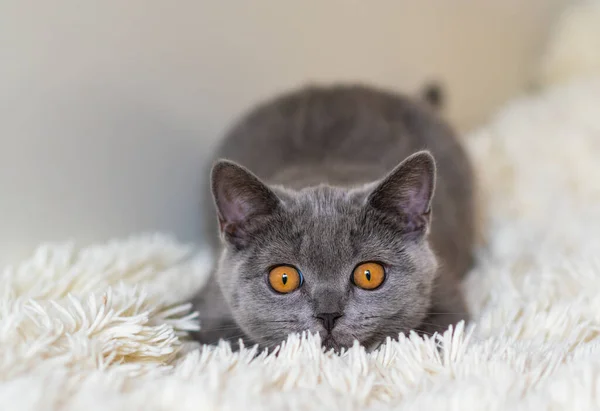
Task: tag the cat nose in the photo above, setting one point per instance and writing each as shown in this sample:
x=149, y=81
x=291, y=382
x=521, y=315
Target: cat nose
x=328, y=319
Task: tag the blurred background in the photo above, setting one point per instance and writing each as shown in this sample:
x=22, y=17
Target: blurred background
x=109, y=109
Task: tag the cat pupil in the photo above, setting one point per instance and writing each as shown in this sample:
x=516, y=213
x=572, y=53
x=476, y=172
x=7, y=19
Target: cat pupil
x=284, y=278
x=368, y=275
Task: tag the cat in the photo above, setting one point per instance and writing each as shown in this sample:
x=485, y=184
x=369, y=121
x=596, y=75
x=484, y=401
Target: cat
x=345, y=210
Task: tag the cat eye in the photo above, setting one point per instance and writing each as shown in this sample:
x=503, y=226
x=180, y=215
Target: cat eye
x=285, y=279
x=368, y=276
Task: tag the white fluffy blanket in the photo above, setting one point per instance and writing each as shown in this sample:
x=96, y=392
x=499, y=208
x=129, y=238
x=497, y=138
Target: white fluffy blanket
x=101, y=327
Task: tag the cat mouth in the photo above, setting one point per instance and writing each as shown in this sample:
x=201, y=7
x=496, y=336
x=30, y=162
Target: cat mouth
x=330, y=343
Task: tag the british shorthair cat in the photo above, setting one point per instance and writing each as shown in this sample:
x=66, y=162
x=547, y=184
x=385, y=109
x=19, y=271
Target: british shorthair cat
x=345, y=210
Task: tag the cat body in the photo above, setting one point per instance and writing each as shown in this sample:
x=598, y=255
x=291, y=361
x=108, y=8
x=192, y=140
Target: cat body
x=321, y=180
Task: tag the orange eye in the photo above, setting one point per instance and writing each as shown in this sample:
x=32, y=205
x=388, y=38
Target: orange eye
x=368, y=276
x=285, y=279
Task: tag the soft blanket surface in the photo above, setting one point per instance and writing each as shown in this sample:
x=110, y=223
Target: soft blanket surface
x=103, y=327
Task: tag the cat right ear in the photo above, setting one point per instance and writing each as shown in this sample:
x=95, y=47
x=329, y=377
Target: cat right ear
x=241, y=200
x=407, y=192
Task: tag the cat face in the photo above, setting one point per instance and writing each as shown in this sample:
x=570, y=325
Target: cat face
x=350, y=264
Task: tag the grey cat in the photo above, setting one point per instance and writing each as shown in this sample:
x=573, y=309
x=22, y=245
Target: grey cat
x=328, y=220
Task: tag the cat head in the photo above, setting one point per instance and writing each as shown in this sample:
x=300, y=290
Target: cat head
x=350, y=264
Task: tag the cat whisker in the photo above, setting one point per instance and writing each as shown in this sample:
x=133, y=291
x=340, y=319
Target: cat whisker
x=223, y=328
x=446, y=313
x=419, y=331
x=431, y=324
x=275, y=321
x=261, y=321
x=414, y=313
x=236, y=327
x=234, y=337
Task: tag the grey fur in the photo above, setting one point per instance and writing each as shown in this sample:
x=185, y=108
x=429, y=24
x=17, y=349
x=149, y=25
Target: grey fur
x=325, y=193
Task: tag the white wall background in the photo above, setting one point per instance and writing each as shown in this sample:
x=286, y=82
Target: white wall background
x=109, y=108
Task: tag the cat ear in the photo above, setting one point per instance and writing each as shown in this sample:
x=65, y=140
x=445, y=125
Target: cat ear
x=241, y=199
x=407, y=191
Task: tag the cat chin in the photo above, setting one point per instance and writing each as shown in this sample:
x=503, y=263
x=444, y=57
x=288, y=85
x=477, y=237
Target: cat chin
x=337, y=342
x=330, y=343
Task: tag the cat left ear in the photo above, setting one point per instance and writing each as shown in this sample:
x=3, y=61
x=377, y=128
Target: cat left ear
x=241, y=200
x=407, y=192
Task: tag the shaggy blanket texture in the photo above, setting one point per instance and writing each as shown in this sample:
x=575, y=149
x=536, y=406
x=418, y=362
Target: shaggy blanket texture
x=103, y=327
